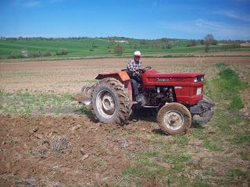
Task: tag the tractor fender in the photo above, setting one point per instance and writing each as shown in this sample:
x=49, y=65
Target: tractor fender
x=122, y=76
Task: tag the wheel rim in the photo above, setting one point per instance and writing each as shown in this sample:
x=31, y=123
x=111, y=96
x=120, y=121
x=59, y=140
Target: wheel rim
x=105, y=104
x=173, y=120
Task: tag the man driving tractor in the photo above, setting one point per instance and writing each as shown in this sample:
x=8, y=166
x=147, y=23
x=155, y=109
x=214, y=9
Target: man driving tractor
x=177, y=97
x=132, y=69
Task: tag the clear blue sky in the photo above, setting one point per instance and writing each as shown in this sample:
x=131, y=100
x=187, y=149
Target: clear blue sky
x=147, y=19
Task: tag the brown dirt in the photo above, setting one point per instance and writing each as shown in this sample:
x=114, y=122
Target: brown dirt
x=71, y=150
x=92, y=155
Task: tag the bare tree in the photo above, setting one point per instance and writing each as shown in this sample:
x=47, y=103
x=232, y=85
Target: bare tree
x=208, y=40
x=119, y=49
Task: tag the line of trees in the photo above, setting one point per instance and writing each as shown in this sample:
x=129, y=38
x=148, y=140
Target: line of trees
x=27, y=54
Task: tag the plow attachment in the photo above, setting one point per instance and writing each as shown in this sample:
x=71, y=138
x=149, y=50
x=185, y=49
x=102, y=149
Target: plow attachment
x=204, y=110
x=85, y=96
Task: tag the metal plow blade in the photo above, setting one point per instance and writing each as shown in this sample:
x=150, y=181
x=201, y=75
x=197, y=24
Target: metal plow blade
x=85, y=96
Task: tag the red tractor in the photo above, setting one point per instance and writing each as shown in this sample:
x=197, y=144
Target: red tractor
x=178, y=98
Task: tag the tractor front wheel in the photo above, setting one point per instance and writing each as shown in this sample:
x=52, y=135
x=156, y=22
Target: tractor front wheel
x=110, y=101
x=174, y=118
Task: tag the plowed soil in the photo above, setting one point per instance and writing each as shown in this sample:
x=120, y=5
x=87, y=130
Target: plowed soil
x=68, y=150
x=72, y=150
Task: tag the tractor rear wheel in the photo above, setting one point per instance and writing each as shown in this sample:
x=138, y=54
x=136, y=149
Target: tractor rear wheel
x=174, y=118
x=110, y=101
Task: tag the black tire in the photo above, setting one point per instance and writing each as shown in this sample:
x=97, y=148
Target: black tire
x=110, y=101
x=174, y=118
x=207, y=116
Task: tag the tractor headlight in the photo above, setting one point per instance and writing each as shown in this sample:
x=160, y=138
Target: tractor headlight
x=199, y=79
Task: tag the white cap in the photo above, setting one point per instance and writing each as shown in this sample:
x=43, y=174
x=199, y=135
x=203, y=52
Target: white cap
x=137, y=53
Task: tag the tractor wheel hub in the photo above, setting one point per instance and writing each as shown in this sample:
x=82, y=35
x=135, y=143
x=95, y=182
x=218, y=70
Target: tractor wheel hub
x=173, y=120
x=108, y=103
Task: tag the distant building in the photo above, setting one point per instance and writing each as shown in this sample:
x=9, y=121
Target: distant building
x=121, y=41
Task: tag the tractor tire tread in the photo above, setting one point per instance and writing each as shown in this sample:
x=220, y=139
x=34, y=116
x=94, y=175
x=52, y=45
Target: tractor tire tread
x=123, y=99
x=178, y=107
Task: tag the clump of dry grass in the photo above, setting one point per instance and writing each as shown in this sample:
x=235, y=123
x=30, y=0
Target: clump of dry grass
x=60, y=144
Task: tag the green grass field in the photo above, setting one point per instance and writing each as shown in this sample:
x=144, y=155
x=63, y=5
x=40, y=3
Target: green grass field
x=88, y=47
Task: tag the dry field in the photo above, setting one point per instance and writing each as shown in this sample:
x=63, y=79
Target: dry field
x=69, y=76
x=70, y=149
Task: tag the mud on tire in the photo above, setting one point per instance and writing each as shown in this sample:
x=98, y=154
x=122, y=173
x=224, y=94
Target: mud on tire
x=110, y=101
x=174, y=118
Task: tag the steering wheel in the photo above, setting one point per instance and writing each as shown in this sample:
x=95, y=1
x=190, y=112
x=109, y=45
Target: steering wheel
x=147, y=68
x=143, y=70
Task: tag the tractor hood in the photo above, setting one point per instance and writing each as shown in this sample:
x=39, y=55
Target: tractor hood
x=188, y=87
x=156, y=74
x=152, y=78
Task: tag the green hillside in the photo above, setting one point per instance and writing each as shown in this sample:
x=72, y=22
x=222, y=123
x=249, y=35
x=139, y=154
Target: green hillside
x=88, y=47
